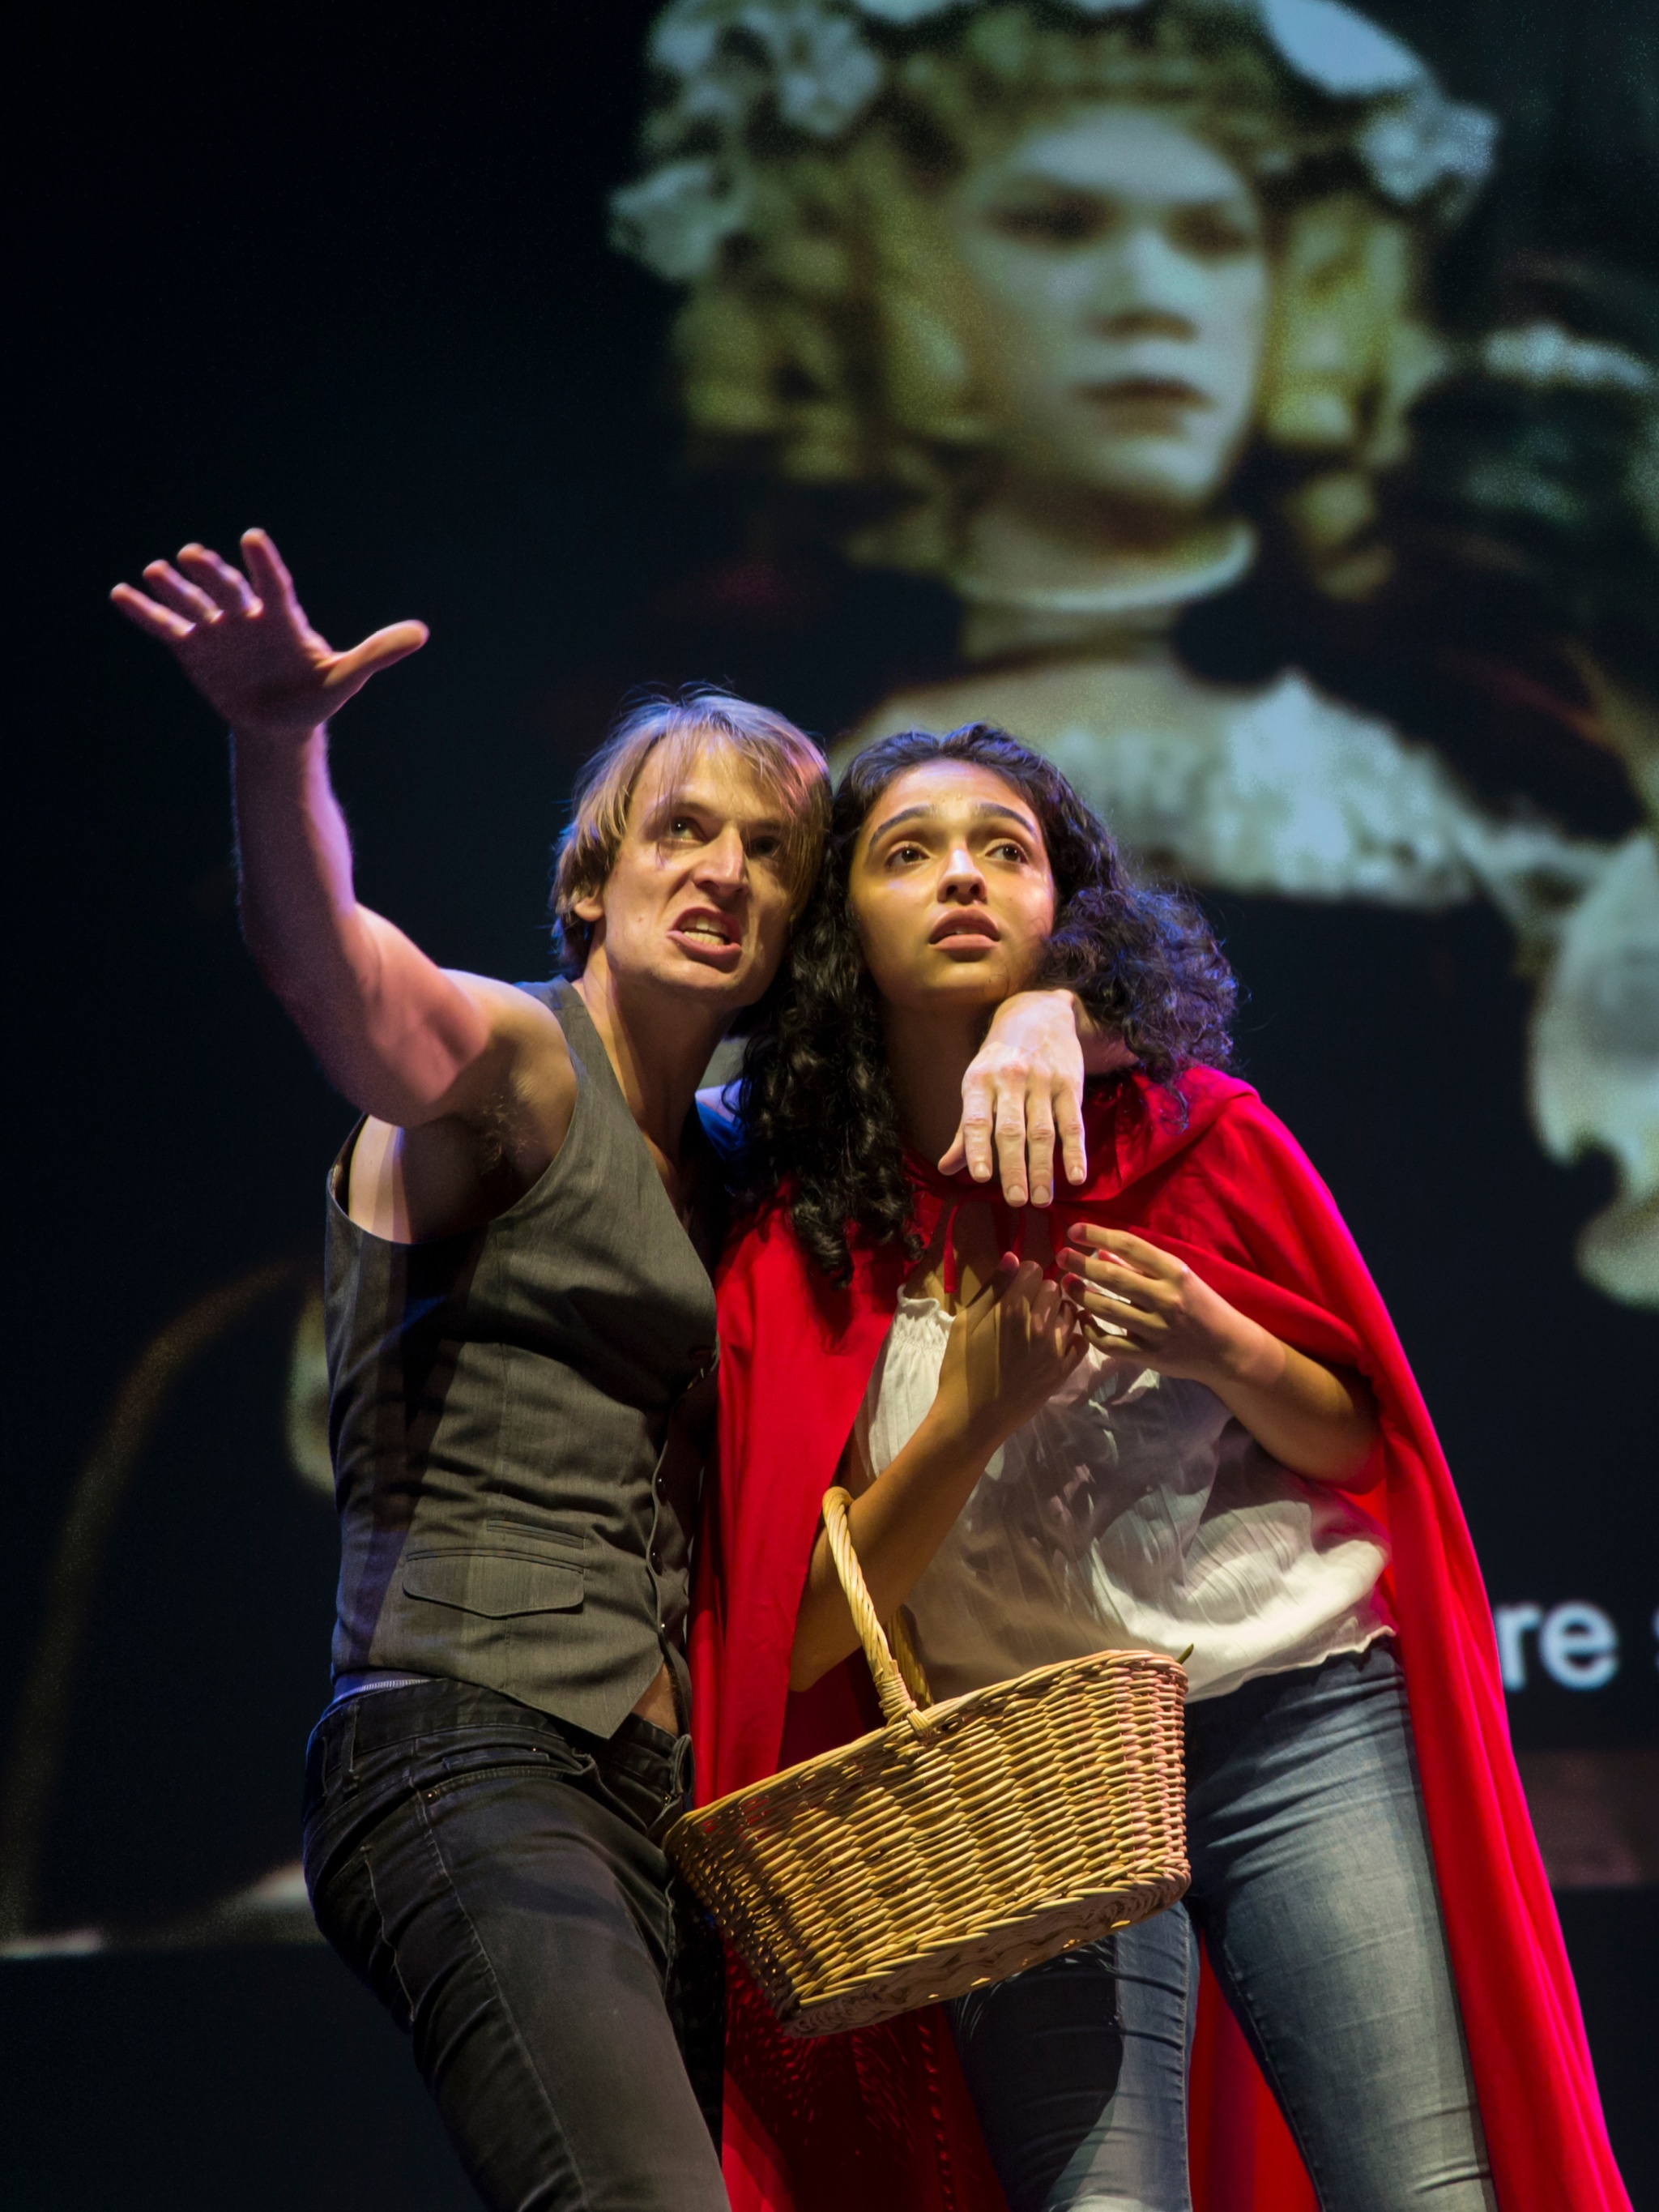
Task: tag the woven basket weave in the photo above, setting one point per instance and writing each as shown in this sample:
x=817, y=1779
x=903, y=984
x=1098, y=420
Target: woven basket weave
x=957, y=1844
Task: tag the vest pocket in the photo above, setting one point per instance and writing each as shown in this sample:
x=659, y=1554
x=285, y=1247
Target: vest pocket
x=495, y=1584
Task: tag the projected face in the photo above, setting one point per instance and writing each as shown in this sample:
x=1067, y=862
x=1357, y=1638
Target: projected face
x=1118, y=286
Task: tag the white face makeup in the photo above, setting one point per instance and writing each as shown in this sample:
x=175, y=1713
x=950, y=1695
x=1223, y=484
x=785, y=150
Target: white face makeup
x=1117, y=297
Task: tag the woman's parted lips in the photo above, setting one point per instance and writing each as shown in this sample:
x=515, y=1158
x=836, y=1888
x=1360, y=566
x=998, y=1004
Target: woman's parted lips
x=965, y=921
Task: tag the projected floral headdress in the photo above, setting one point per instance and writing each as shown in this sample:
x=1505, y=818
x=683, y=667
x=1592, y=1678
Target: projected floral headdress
x=792, y=146
x=739, y=73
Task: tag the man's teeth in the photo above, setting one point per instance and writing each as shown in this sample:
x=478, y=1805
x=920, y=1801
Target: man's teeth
x=706, y=930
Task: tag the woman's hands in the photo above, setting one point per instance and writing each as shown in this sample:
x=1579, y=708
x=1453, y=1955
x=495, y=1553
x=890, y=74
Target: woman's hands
x=245, y=643
x=1009, y=1349
x=1013, y=1346
x=1145, y=1307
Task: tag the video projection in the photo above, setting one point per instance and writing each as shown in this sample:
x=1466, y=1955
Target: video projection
x=1115, y=333
x=1253, y=404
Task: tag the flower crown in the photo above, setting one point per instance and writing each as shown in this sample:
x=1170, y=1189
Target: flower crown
x=816, y=67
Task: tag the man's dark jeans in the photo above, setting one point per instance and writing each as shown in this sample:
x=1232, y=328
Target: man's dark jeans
x=494, y=1877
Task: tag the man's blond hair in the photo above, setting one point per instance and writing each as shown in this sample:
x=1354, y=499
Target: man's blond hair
x=782, y=759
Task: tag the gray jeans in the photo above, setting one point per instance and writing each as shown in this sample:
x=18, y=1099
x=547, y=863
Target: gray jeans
x=1315, y=1894
x=494, y=1877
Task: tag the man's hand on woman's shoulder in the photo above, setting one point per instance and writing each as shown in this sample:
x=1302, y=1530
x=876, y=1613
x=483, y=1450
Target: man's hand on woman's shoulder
x=1022, y=1094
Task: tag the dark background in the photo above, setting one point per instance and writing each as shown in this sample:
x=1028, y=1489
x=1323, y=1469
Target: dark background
x=347, y=278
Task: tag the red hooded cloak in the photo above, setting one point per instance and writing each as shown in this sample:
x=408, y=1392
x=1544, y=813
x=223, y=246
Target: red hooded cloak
x=880, y=2117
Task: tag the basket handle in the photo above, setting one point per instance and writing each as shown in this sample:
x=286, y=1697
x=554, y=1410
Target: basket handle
x=894, y=1678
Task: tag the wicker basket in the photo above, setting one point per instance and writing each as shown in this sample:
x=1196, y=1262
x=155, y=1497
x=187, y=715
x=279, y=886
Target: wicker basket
x=955, y=1845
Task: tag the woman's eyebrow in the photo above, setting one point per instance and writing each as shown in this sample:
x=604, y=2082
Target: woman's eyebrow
x=1008, y=813
x=904, y=814
x=981, y=806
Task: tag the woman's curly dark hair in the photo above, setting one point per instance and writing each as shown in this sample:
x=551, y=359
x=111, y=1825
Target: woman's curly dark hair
x=817, y=1101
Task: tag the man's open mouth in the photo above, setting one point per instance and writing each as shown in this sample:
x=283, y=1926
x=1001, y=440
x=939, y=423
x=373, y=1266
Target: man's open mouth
x=711, y=930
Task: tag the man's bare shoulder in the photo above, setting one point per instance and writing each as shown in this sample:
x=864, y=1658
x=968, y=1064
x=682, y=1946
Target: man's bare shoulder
x=531, y=1087
x=497, y=1138
x=521, y=1024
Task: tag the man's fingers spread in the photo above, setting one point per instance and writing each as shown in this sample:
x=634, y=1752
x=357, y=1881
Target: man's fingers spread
x=176, y=592
x=394, y=643
x=153, y=620
x=270, y=579
x=954, y=1157
x=259, y=545
x=226, y=586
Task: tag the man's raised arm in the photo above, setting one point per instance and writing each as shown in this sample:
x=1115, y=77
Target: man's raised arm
x=401, y=1038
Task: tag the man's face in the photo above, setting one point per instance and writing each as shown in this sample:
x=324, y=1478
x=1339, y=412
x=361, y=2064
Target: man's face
x=951, y=889
x=697, y=902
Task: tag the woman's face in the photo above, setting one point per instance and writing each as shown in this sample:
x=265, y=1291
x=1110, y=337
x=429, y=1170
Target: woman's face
x=1118, y=290
x=951, y=889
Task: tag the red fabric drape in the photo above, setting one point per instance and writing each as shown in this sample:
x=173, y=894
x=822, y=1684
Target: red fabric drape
x=881, y=2117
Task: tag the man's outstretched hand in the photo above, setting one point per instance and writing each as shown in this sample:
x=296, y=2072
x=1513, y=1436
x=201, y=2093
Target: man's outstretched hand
x=245, y=645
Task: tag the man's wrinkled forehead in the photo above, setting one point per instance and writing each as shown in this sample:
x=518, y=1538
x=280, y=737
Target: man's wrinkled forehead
x=705, y=769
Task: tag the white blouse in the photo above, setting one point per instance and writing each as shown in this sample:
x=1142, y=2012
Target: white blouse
x=1132, y=1512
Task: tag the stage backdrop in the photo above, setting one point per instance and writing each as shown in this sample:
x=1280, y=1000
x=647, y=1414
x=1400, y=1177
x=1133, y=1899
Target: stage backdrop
x=1252, y=402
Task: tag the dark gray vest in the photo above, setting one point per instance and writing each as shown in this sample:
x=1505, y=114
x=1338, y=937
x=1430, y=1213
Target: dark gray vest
x=519, y=1418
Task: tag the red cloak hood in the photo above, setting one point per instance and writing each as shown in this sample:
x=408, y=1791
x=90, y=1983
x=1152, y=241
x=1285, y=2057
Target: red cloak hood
x=880, y=2117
